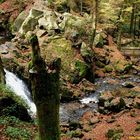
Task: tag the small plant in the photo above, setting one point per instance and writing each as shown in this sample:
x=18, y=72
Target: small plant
x=18, y=133
x=114, y=134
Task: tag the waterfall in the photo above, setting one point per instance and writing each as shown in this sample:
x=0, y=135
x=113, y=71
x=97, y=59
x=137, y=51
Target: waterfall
x=20, y=89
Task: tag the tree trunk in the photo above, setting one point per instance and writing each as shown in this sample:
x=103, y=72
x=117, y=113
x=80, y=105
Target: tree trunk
x=45, y=91
x=132, y=19
x=2, y=73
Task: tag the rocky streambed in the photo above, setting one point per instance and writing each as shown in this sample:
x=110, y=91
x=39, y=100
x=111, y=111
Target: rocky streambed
x=111, y=95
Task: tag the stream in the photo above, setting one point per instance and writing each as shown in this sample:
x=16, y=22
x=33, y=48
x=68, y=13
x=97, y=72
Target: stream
x=71, y=111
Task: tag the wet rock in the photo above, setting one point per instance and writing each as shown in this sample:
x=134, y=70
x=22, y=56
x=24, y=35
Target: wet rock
x=74, y=125
x=103, y=110
x=107, y=96
x=128, y=84
x=117, y=104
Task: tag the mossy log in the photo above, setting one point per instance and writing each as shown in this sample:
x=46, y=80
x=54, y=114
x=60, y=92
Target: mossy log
x=45, y=91
x=2, y=73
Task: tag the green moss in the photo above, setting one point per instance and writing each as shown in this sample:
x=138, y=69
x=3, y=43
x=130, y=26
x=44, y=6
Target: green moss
x=6, y=92
x=61, y=48
x=108, y=68
x=114, y=134
x=82, y=68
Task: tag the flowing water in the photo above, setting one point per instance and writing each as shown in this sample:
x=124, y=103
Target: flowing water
x=73, y=110
x=20, y=89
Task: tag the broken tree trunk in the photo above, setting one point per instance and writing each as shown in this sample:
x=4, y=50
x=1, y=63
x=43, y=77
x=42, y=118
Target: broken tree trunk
x=45, y=91
x=2, y=73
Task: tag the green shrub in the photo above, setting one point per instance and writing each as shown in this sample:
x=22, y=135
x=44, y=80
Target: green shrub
x=18, y=133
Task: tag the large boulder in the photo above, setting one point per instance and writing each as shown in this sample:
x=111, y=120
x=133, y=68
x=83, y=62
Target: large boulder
x=18, y=21
x=31, y=21
x=48, y=21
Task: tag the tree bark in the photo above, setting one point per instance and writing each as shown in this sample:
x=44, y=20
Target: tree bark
x=45, y=91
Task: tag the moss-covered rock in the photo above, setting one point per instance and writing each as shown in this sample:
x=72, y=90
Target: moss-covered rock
x=48, y=21
x=12, y=105
x=18, y=21
x=31, y=21
x=114, y=134
x=98, y=41
x=108, y=68
x=86, y=52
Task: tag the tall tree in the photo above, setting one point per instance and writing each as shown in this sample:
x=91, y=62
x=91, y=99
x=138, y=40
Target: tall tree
x=45, y=91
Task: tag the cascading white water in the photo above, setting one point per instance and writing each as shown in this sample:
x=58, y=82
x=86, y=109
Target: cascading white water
x=20, y=89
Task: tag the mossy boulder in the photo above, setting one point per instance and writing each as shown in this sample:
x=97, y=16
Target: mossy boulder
x=12, y=105
x=31, y=21
x=81, y=70
x=48, y=21
x=18, y=21
x=61, y=48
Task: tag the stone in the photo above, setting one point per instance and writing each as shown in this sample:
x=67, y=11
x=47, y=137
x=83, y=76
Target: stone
x=31, y=21
x=74, y=125
x=129, y=102
x=106, y=96
x=18, y=21
x=48, y=21
x=77, y=133
x=98, y=41
x=128, y=85
x=94, y=120
x=117, y=104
